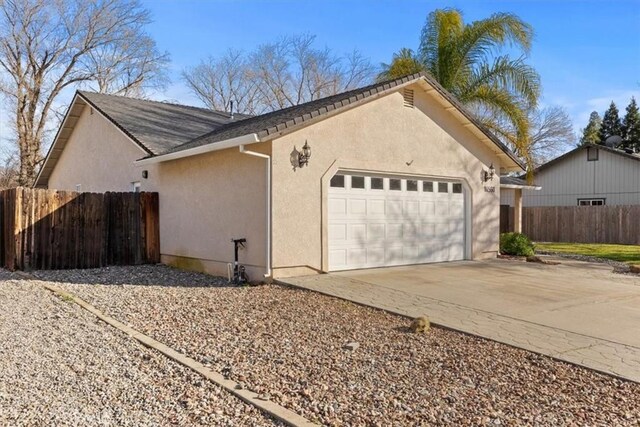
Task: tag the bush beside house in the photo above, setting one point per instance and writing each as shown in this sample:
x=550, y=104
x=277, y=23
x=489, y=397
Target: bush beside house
x=516, y=244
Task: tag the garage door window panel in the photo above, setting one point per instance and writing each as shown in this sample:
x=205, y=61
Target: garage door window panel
x=337, y=181
x=357, y=182
x=377, y=183
x=427, y=186
x=390, y=226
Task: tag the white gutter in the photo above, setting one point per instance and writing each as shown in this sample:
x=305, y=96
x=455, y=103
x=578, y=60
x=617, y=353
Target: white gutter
x=207, y=148
x=523, y=187
x=268, y=207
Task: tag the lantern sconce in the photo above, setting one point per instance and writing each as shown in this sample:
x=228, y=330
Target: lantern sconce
x=303, y=156
x=488, y=175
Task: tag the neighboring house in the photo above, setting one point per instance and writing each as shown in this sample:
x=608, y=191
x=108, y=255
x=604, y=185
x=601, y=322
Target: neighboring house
x=397, y=175
x=593, y=175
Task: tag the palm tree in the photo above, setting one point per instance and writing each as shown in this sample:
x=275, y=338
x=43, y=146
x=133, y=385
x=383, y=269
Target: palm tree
x=465, y=59
x=403, y=63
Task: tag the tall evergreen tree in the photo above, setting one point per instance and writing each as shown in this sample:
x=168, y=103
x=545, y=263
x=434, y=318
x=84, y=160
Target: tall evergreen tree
x=611, y=124
x=590, y=134
x=631, y=126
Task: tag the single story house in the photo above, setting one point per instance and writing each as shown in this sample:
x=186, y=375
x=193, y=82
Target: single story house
x=592, y=175
x=389, y=174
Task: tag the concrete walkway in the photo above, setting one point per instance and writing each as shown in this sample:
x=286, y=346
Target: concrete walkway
x=578, y=312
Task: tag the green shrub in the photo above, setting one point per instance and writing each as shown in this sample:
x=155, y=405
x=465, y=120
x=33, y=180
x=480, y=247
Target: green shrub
x=516, y=244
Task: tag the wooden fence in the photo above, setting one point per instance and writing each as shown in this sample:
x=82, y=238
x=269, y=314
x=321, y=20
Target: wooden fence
x=506, y=218
x=49, y=229
x=583, y=224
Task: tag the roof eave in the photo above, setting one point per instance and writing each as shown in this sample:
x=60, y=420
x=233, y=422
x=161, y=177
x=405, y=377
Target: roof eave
x=512, y=162
x=274, y=132
x=38, y=181
x=208, y=148
x=118, y=126
x=521, y=187
x=566, y=155
x=509, y=161
x=310, y=118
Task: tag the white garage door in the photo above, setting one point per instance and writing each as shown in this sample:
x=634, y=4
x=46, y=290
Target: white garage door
x=378, y=221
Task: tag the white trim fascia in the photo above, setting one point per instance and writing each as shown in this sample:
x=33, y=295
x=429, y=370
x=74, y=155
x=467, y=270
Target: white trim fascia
x=55, y=140
x=251, y=138
x=467, y=123
x=522, y=187
x=87, y=103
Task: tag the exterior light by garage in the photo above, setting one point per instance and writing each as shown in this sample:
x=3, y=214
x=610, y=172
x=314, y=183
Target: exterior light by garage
x=303, y=156
x=488, y=175
x=145, y=174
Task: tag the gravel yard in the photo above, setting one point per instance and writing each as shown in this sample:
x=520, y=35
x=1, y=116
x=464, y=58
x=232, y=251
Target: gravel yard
x=60, y=366
x=289, y=343
x=618, y=267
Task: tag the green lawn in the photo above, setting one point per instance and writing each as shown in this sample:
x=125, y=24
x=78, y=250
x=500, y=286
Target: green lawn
x=624, y=253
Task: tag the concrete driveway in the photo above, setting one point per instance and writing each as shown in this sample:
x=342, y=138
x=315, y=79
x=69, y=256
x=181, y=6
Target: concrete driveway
x=576, y=311
x=584, y=298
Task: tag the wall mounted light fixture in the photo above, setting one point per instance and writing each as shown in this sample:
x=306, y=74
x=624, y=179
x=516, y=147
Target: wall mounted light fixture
x=303, y=156
x=488, y=175
x=145, y=174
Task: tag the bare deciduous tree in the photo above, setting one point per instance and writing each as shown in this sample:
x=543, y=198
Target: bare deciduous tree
x=218, y=82
x=551, y=134
x=9, y=169
x=277, y=75
x=49, y=45
x=127, y=69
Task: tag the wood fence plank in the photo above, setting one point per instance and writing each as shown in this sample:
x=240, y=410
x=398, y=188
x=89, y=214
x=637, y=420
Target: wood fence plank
x=49, y=229
x=583, y=224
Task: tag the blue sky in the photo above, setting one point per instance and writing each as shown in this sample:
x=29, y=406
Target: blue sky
x=587, y=52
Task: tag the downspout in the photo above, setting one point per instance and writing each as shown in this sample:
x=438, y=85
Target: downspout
x=268, y=207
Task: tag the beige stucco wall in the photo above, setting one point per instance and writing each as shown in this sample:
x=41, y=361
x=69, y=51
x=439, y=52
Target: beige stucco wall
x=380, y=136
x=207, y=200
x=97, y=156
x=204, y=200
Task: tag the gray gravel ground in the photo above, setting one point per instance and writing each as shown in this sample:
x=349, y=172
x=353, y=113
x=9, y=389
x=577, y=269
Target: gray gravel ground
x=289, y=343
x=618, y=267
x=59, y=365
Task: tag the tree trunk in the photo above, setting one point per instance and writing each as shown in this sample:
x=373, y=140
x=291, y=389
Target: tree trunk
x=29, y=157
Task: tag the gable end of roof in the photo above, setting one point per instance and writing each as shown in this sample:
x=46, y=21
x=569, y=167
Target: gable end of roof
x=115, y=123
x=564, y=156
x=280, y=122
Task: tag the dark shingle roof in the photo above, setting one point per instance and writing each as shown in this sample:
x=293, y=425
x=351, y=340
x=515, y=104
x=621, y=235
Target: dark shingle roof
x=512, y=180
x=158, y=126
x=277, y=121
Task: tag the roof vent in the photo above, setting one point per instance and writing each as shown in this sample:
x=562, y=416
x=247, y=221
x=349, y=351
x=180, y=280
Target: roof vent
x=408, y=98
